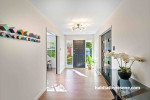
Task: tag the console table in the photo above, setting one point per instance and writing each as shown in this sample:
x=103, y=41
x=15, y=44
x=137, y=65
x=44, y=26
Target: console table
x=131, y=94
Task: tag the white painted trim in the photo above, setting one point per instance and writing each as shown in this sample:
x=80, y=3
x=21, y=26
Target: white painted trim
x=40, y=94
x=62, y=70
x=68, y=66
x=108, y=29
x=98, y=72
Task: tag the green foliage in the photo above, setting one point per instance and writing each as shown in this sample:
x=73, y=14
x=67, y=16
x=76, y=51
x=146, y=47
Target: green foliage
x=91, y=52
x=69, y=60
x=125, y=70
x=51, y=53
x=52, y=43
x=90, y=60
x=68, y=53
x=88, y=44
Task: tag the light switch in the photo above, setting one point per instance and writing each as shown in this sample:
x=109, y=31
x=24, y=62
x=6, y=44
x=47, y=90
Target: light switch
x=113, y=48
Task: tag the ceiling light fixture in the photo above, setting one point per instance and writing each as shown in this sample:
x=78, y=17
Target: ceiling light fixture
x=78, y=27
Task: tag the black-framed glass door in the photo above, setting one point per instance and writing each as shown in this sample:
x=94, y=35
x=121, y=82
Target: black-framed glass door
x=106, y=68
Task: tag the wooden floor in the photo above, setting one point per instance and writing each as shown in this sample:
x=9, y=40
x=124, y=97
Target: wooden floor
x=75, y=84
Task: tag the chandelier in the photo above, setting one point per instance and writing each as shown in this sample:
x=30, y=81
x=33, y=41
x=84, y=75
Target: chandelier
x=78, y=27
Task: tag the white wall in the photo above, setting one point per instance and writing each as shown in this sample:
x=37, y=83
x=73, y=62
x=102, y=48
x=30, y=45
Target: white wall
x=130, y=34
x=22, y=63
x=60, y=54
x=79, y=37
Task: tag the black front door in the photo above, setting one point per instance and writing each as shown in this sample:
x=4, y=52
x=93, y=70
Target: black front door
x=79, y=53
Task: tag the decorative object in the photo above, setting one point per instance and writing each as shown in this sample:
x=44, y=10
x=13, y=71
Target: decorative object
x=25, y=38
x=31, y=35
x=35, y=35
x=124, y=75
x=28, y=39
x=13, y=36
x=8, y=35
x=22, y=35
x=22, y=38
x=1, y=34
x=12, y=29
x=31, y=40
x=89, y=62
x=39, y=37
x=37, y=41
x=20, y=32
x=26, y=33
x=4, y=27
x=78, y=27
x=125, y=63
x=17, y=37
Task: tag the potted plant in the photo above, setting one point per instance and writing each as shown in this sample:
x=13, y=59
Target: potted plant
x=89, y=62
x=125, y=63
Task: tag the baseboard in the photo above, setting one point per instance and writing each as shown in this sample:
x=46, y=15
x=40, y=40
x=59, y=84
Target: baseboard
x=98, y=72
x=40, y=94
x=61, y=70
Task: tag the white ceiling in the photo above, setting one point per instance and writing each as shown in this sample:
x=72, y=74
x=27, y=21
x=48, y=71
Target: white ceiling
x=66, y=13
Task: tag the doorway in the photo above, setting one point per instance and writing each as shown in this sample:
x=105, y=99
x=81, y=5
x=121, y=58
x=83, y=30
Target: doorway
x=106, y=68
x=78, y=53
x=51, y=51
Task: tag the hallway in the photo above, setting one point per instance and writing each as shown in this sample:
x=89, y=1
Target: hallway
x=75, y=84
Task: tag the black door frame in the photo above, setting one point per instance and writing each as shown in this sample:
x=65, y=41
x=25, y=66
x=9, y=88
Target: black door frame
x=56, y=55
x=100, y=56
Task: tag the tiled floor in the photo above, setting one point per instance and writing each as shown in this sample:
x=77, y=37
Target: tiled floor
x=75, y=84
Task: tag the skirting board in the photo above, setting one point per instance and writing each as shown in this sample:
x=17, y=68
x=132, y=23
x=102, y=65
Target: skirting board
x=62, y=70
x=40, y=94
x=98, y=72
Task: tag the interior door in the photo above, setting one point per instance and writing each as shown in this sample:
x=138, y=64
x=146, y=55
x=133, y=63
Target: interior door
x=106, y=61
x=79, y=53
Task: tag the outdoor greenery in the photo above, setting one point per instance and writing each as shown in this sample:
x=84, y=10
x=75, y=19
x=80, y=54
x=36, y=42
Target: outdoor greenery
x=52, y=45
x=88, y=46
x=69, y=60
x=90, y=61
x=51, y=53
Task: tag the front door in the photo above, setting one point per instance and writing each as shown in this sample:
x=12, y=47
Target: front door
x=78, y=53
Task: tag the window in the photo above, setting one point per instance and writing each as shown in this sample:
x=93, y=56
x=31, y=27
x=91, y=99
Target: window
x=69, y=52
x=88, y=48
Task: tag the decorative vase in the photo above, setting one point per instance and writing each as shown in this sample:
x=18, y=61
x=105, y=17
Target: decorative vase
x=124, y=75
x=89, y=67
